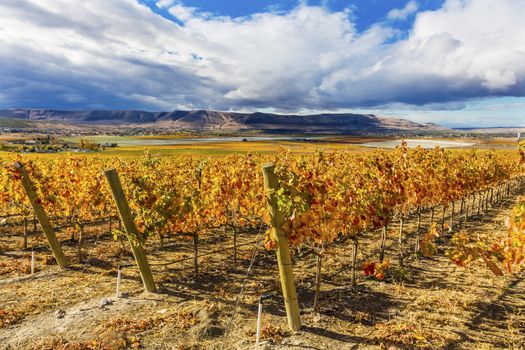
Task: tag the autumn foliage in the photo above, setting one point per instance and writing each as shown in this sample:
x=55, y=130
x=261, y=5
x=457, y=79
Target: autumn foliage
x=323, y=196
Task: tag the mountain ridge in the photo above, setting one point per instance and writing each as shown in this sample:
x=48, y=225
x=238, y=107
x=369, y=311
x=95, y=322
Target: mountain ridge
x=209, y=120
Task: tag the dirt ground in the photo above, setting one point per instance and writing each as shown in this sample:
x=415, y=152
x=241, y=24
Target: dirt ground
x=428, y=304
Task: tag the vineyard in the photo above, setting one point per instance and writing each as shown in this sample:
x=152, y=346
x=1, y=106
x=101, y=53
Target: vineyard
x=318, y=237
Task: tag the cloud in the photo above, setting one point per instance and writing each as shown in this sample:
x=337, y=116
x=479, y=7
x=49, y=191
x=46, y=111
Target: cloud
x=181, y=12
x=402, y=14
x=164, y=3
x=119, y=54
x=499, y=80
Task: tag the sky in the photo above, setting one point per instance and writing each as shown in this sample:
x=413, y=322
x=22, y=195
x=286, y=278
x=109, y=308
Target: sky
x=458, y=63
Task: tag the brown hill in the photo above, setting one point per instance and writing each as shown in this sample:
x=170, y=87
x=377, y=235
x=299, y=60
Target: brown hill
x=206, y=120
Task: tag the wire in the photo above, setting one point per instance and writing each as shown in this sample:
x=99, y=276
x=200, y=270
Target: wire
x=252, y=261
x=201, y=255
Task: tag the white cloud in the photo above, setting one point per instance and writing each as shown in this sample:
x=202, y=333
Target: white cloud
x=164, y=3
x=118, y=54
x=181, y=12
x=498, y=80
x=402, y=14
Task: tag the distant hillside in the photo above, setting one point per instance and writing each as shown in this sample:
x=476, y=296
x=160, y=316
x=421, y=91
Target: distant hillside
x=496, y=130
x=205, y=120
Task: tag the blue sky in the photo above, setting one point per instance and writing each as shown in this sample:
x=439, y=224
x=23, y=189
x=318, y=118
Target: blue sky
x=365, y=13
x=426, y=60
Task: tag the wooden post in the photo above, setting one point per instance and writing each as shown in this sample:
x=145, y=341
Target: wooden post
x=284, y=260
x=401, y=252
x=461, y=213
x=259, y=322
x=119, y=280
x=234, y=245
x=418, y=229
x=25, y=232
x=80, y=239
x=466, y=209
x=480, y=202
x=32, y=262
x=42, y=217
x=383, y=242
x=195, y=255
x=317, y=280
x=355, y=246
x=451, y=224
x=134, y=237
x=443, y=210
x=72, y=225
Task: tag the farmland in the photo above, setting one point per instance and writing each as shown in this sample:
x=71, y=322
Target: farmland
x=382, y=230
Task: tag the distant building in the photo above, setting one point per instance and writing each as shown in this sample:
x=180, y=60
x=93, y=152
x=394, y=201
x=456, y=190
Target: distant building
x=519, y=136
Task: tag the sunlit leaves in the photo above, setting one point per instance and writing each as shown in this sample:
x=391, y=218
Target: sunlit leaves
x=507, y=251
x=322, y=195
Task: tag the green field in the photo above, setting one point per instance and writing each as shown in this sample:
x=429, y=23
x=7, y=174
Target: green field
x=13, y=123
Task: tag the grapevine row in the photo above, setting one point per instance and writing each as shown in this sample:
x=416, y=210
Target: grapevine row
x=323, y=196
x=313, y=199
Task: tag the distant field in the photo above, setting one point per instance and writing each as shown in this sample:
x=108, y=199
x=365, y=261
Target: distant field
x=181, y=144
x=13, y=123
x=167, y=140
x=11, y=137
x=215, y=149
x=425, y=143
x=214, y=146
